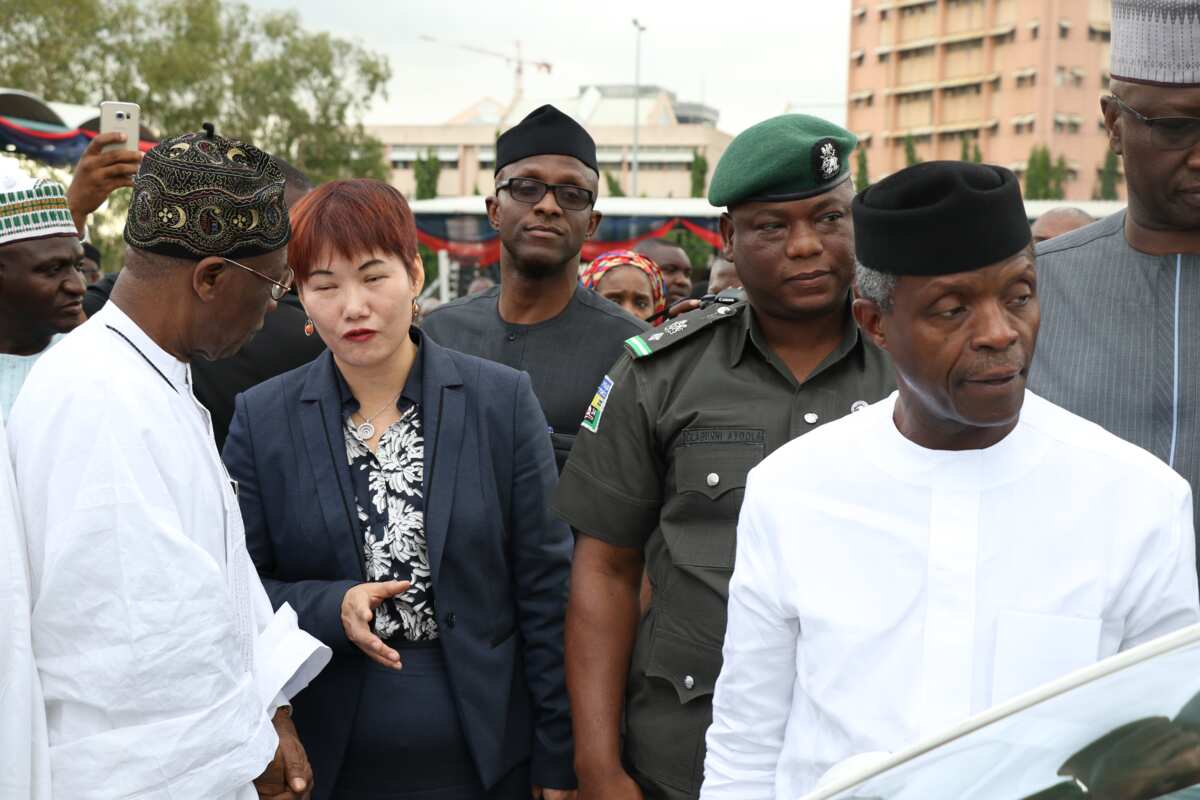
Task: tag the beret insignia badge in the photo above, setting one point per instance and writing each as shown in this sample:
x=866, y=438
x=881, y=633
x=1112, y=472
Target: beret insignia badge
x=827, y=163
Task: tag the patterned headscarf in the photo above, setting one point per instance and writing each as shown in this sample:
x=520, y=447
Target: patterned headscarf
x=627, y=258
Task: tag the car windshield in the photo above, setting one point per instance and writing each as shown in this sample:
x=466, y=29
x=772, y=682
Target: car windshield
x=1127, y=727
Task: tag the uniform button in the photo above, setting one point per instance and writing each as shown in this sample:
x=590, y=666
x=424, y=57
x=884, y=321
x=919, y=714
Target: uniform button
x=512, y=337
x=450, y=619
x=858, y=405
x=689, y=682
x=713, y=479
x=811, y=418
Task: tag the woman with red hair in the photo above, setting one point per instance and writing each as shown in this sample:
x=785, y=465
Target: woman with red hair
x=395, y=493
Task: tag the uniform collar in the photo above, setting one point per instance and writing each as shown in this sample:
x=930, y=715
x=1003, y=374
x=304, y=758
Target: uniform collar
x=752, y=333
x=176, y=372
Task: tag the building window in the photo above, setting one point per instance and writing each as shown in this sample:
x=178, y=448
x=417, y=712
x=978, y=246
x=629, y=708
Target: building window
x=1024, y=125
x=1034, y=29
x=1026, y=79
x=1066, y=124
x=884, y=58
x=1064, y=28
x=1105, y=79
x=1071, y=78
x=1007, y=37
x=883, y=13
x=1097, y=35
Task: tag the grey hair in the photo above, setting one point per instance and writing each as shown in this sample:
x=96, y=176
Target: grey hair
x=873, y=285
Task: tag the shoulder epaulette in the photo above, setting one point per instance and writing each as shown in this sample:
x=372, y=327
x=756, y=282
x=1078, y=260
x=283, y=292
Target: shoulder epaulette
x=713, y=310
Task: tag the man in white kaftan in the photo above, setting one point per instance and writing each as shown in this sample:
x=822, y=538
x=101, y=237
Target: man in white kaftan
x=161, y=660
x=947, y=548
x=24, y=758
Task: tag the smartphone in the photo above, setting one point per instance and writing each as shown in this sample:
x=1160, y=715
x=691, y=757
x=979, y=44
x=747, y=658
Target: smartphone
x=122, y=117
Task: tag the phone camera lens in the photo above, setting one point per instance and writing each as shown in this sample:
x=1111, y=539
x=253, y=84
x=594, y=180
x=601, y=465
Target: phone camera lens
x=120, y=115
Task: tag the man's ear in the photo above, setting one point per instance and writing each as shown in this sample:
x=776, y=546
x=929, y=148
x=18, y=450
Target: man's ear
x=870, y=319
x=209, y=277
x=493, y=211
x=726, y=223
x=593, y=224
x=1114, y=124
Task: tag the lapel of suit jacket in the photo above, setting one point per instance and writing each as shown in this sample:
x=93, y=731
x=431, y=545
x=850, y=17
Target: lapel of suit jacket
x=443, y=420
x=321, y=422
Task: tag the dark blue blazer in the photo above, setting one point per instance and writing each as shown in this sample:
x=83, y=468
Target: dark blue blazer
x=500, y=561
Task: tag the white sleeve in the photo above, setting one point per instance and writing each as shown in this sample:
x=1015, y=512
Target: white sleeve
x=753, y=697
x=1164, y=593
x=134, y=632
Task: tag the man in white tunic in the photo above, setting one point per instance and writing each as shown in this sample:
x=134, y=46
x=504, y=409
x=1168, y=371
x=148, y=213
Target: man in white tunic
x=24, y=757
x=165, y=673
x=947, y=548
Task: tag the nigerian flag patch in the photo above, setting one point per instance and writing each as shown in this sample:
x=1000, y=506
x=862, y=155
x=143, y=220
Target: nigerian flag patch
x=591, y=420
x=638, y=345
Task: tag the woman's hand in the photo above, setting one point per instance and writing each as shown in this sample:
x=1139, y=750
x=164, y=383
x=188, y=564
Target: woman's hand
x=358, y=609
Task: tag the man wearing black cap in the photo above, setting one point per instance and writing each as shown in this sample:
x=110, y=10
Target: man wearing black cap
x=656, y=479
x=539, y=319
x=951, y=546
x=165, y=670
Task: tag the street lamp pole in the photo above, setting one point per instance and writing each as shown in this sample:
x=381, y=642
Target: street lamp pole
x=637, y=94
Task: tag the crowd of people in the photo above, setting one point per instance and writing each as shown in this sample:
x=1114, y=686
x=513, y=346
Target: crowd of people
x=274, y=527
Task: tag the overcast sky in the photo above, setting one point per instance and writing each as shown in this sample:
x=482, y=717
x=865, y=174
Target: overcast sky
x=750, y=60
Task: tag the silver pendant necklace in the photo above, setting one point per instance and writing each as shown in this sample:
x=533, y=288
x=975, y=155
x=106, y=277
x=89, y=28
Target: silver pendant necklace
x=367, y=430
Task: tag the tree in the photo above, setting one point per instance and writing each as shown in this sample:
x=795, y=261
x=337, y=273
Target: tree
x=862, y=176
x=1109, y=176
x=613, y=185
x=977, y=154
x=1060, y=173
x=259, y=77
x=965, y=153
x=910, y=151
x=1037, y=174
x=699, y=174
x=426, y=170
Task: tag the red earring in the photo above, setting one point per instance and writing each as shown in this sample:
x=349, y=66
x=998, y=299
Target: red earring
x=309, y=328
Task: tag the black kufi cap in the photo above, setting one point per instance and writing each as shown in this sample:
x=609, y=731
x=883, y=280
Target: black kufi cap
x=940, y=217
x=546, y=132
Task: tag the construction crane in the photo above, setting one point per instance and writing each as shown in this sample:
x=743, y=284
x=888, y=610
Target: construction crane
x=515, y=59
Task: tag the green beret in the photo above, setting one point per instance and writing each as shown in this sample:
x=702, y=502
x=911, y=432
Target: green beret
x=784, y=158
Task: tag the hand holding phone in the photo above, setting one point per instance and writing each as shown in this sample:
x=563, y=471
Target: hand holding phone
x=117, y=117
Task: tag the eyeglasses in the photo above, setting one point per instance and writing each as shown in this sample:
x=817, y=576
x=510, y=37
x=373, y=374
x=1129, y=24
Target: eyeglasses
x=1167, y=133
x=530, y=192
x=278, y=288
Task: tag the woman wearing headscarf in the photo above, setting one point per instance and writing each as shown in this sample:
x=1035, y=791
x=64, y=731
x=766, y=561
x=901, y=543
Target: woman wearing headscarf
x=629, y=279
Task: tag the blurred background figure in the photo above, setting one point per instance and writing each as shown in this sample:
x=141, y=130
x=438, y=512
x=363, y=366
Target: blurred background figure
x=1058, y=221
x=722, y=275
x=481, y=284
x=673, y=262
x=90, y=268
x=628, y=279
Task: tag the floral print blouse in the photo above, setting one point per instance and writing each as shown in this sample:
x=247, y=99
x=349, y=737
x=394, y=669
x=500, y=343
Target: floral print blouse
x=389, y=493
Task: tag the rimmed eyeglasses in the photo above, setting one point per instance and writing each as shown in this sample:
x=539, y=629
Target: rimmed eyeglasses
x=531, y=191
x=278, y=288
x=1167, y=133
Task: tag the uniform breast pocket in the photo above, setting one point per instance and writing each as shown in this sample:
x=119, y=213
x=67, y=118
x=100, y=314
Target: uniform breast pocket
x=1033, y=649
x=700, y=522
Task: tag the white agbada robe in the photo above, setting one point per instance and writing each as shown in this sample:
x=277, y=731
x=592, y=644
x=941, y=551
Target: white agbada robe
x=24, y=753
x=884, y=592
x=159, y=654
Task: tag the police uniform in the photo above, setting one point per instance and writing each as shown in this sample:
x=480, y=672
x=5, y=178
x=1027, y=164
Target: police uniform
x=660, y=464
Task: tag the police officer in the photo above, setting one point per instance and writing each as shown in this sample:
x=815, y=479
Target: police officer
x=659, y=469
